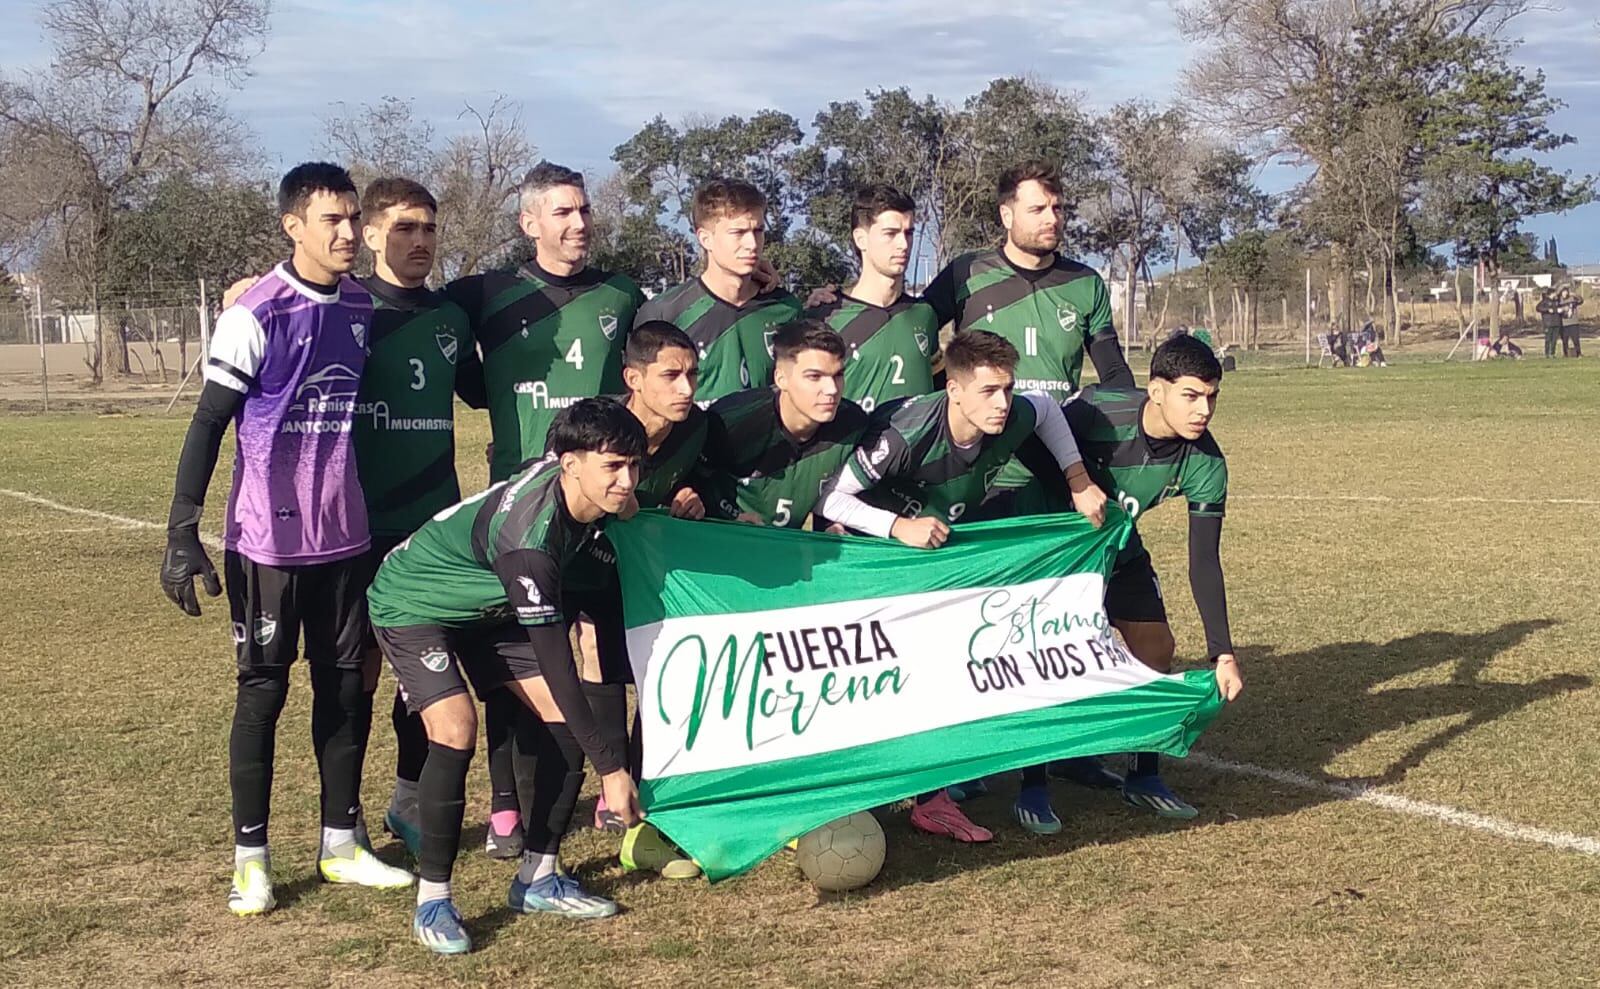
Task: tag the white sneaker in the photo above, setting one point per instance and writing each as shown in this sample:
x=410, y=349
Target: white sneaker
x=252, y=890
x=362, y=868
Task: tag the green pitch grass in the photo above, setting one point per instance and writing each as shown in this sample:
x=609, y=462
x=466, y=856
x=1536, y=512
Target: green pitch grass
x=1416, y=612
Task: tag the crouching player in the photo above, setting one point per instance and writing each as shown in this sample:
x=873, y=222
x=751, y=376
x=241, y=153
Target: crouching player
x=1142, y=448
x=476, y=595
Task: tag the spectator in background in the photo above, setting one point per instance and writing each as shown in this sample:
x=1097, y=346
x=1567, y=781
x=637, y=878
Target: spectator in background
x=1551, y=311
x=1571, y=344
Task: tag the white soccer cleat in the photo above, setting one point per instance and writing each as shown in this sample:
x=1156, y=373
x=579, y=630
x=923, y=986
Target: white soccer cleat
x=252, y=890
x=362, y=868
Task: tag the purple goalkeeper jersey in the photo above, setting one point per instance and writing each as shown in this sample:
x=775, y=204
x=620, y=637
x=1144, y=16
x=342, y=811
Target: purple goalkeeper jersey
x=296, y=354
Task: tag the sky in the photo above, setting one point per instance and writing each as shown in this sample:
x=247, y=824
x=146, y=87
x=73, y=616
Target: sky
x=588, y=76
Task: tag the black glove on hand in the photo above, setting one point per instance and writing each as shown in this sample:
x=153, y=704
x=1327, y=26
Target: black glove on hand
x=186, y=558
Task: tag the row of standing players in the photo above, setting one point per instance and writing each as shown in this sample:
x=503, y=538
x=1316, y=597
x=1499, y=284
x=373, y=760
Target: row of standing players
x=313, y=380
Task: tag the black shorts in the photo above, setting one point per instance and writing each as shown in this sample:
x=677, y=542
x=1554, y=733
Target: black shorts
x=273, y=607
x=1133, y=594
x=604, y=609
x=432, y=662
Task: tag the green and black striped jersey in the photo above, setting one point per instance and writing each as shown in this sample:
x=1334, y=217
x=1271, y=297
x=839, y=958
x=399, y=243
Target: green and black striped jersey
x=909, y=464
x=753, y=464
x=547, y=341
x=735, y=342
x=1138, y=471
x=405, y=410
x=444, y=574
x=1049, y=315
x=891, y=348
x=663, y=473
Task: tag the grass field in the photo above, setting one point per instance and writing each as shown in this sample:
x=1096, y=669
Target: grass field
x=1411, y=557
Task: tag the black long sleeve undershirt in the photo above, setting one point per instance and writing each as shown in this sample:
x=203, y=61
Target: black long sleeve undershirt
x=1205, y=582
x=1105, y=350
x=217, y=406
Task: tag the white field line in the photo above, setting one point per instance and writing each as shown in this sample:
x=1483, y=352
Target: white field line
x=1415, y=500
x=120, y=520
x=1509, y=830
x=1453, y=816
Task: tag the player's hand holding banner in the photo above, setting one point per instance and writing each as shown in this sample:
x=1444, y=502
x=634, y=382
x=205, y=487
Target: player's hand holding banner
x=790, y=678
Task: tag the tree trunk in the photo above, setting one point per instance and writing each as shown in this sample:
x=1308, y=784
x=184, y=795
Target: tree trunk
x=1461, y=316
x=1343, y=278
x=1130, y=314
x=1492, y=276
x=1211, y=305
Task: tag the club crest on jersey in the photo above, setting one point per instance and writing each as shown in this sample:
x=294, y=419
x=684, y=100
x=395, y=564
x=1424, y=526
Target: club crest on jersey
x=447, y=345
x=1067, y=316
x=922, y=342
x=608, y=325
x=989, y=476
x=768, y=336
x=436, y=660
x=266, y=627
x=359, y=331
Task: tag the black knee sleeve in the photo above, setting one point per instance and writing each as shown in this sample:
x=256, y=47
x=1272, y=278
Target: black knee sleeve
x=500, y=712
x=441, y=801
x=341, y=721
x=251, y=745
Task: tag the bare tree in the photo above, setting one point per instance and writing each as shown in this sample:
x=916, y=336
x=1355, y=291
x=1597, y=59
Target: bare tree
x=121, y=104
x=474, y=175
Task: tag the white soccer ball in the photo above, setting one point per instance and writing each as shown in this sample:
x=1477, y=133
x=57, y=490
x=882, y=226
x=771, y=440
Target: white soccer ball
x=843, y=854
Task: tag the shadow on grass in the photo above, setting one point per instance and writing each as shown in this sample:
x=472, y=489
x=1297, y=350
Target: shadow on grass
x=1314, y=705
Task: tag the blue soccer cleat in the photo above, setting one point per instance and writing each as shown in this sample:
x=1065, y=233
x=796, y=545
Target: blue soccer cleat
x=561, y=894
x=1033, y=811
x=1150, y=793
x=437, y=927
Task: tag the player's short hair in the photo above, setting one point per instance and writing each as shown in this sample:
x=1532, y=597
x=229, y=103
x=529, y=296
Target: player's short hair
x=306, y=180
x=647, y=340
x=720, y=198
x=1185, y=357
x=394, y=190
x=972, y=349
x=596, y=425
x=540, y=179
x=800, y=335
x=873, y=201
x=1032, y=170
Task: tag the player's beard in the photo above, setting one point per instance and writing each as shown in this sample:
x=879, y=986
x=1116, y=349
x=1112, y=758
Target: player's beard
x=1039, y=245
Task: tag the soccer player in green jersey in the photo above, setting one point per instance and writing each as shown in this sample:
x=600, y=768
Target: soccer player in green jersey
x=476, y=595
x=659, y=369
x=1143, y=448
x=925, y=461
x=769, y=450
x=552, y=331
x=1050, y=307
x=892, y=337
x=725, y=311
x=421, y=355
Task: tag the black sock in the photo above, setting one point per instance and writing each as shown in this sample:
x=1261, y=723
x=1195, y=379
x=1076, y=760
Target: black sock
x=636, y=746
x=556, y=782
x=1144, y=764
x=250, y=749
x=441, y=801
x=1034, y=776
x=341, y=721
x=500, y=712
x=410, y=741
x=609, y=702
x=923, y=798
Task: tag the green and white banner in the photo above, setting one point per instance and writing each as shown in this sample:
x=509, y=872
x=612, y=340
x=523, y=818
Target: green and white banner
x=788, y=678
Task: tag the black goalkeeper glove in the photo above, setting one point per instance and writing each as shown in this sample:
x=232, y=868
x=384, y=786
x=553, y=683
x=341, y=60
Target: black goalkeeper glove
x=185, y=559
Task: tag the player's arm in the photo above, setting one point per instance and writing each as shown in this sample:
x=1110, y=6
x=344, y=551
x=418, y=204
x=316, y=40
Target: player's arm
x=1050, y=426
x=883, y=454
x=1105, y=350
x=237, y=349
x=712, y=477
x=532, y=581
x=470, y=386
x=1211, y=598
